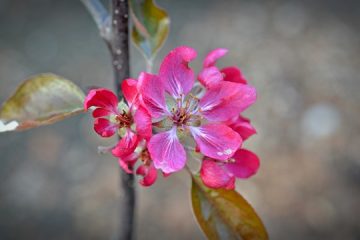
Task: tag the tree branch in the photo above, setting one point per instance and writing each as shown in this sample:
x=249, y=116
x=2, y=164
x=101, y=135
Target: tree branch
x=115, y=31
x=119, y=46
x=119, y=49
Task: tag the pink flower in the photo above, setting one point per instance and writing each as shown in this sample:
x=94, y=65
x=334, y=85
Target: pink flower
x=217, y=174
x=179, y=114
x=112, y=116
x=186, y=118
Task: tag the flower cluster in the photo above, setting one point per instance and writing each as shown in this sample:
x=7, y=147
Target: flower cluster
x=169, y=118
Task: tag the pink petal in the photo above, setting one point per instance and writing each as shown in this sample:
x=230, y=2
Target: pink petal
x=101, y=98
x=215, y=176
x=149, y=174
x=175, y=73
x=101, y=112
x=210, y=77
x=167, y=152
x=226, y=100
x=233, y=74
x=126, y=145
x=128, y=163
x=152, y=92
x=246, y=164
x=242, y=126
x=213, y=56
x=130, y=91
x=217, y=141
x=104, y=127
x=143, y=123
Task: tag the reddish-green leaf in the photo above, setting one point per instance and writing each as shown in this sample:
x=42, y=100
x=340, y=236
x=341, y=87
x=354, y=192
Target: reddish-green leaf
x=225, y=214
x=41, y=100
x=151, y=26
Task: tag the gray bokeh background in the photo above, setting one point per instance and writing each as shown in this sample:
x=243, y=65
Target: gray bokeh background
x=303, y=57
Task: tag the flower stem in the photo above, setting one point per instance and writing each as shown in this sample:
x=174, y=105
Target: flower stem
x=149, y=65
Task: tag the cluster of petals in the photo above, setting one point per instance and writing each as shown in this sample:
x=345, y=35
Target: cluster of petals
x=210, y=117
x=131, y=122
x=170, y=114
x=244, y=163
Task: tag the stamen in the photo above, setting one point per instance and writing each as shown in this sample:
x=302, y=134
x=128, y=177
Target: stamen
x=187, y=104
x=194, y=97
x=194, y=102
x=179, y=102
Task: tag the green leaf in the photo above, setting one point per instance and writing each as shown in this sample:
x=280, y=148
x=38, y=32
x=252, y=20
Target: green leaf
x=225, y=214
x=41, y=100
x=151, y=26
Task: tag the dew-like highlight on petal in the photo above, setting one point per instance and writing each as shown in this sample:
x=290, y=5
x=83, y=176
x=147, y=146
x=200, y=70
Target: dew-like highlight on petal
x=225, y=152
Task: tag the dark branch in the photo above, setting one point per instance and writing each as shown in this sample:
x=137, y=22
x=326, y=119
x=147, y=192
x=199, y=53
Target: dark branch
x=119, y=49
x=115, y=31
x=119, y=45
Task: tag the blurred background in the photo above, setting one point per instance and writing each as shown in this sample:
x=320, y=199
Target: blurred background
x=303, y=57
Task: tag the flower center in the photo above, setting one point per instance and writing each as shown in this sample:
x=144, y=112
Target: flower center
x=186, y=111
x=180, y=116
x=124, y=119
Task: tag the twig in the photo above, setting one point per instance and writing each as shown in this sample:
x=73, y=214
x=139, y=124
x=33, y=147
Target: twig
x=100, y=16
